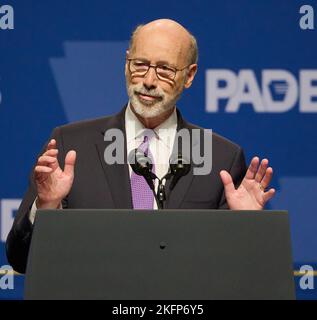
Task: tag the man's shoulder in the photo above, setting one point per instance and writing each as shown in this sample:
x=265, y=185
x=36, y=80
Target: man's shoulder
x=86, y=124
x=218, y=141
x=99, y=124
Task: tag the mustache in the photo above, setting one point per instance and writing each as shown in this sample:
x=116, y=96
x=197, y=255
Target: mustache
x=157, y=92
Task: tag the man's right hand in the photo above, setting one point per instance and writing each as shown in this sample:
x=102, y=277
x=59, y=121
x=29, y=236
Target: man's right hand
x=53, y=184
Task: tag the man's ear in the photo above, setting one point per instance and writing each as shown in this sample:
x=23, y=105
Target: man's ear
x=126, y=63
x=190, y=75
x=126, y=57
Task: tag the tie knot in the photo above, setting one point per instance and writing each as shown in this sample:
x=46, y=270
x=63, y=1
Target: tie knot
x=148, y=135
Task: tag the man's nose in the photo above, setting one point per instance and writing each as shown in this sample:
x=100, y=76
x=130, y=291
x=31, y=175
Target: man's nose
x=150, y=79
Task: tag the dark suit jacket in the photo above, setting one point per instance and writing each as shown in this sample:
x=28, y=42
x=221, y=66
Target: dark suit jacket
x=98, y=185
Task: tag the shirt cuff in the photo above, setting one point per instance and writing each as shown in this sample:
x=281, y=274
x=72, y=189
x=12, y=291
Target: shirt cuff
x=33, y=210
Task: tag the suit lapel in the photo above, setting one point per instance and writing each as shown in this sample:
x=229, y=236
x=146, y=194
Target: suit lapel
x=176, y=196
x=117, y=175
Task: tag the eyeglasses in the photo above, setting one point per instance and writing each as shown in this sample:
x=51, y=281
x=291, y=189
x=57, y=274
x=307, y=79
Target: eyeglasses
x=140, y=68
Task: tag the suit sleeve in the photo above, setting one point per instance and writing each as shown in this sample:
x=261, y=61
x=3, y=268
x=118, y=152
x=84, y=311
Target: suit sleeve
x=237, y=172
x=19, y=237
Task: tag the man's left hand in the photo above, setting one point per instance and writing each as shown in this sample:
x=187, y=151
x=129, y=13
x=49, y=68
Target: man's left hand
x=251, y=194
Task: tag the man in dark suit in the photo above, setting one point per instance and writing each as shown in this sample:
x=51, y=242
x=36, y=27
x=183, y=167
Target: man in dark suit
x=72, y=172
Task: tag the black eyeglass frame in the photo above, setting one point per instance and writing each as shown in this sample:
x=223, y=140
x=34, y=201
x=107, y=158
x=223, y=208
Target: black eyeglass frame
x=154, y=66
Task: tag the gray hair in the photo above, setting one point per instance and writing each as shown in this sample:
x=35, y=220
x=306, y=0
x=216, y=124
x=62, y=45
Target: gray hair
x=193, y=47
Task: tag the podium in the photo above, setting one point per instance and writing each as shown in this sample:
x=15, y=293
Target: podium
x=160, y=255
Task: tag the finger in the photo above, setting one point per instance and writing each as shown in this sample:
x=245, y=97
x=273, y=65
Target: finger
x=261, y=170
x=51, y=153
x=42, y=169
x=251, y=172
x=268, y=195
x=70, y=160
x=51, y=144
x=48, y=161
x=227, y=182
x=45, y=160
x=267, y=177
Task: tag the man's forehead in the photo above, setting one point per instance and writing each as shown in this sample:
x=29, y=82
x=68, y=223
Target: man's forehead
x=160, y=46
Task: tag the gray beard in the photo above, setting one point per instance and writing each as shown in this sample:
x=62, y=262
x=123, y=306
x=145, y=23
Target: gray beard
x=150, y=109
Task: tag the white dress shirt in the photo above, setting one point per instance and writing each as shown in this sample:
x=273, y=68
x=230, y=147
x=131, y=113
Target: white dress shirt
x=160, y=145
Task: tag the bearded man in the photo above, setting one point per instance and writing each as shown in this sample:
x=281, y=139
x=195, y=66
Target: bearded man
x=71, y=171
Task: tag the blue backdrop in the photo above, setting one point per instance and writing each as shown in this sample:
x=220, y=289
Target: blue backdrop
x=256, y=85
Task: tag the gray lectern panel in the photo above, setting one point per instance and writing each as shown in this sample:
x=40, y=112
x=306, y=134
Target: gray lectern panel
x=170, y=254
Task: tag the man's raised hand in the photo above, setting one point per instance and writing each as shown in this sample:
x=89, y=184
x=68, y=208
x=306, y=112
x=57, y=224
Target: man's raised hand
x=53, y=184
x=251, y=194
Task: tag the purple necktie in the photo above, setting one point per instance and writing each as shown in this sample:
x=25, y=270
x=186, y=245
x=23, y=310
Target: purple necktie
x=142, y=195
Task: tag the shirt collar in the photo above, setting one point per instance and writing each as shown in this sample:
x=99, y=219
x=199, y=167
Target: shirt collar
x=133, y=125
x=166, y=130
x=134, y=128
